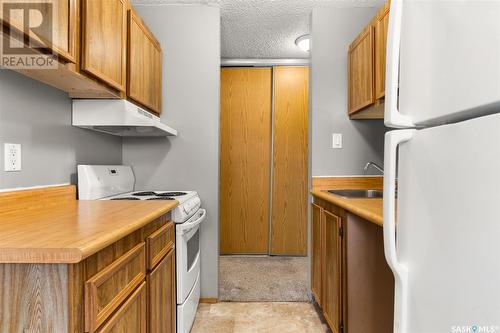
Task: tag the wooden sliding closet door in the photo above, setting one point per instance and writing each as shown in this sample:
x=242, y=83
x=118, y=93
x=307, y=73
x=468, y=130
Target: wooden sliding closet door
x=290, y=161
x=246, y=95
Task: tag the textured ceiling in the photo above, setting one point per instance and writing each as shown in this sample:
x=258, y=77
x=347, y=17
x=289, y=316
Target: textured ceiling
x=265, y=28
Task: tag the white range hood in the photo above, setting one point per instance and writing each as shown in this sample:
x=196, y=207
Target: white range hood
x=118, y=117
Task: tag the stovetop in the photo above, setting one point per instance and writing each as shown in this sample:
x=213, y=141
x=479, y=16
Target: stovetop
x=181, y=196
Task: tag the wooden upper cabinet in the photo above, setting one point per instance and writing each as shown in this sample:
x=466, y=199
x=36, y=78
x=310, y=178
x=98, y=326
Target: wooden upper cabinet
x=61, y=36
x=92, y=41
x=361, y=70
x=65, y=37
x=104, y=41
x=317, y=251
x=367, y=57
x=381, y=25
x=144, y=65
x=332, y=271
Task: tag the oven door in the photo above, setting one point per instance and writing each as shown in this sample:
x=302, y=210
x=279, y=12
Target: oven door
x=188, y=254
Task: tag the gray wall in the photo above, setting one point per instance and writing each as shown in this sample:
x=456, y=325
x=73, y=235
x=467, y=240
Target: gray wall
x=333, y=29
x=190, y=36
x=39, y=118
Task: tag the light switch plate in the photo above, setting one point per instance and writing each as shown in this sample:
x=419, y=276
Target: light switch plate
x=336, y=140
x=12, y=157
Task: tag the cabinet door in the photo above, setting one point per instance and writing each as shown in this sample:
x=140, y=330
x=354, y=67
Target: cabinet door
x=381, y=25
x=61, y=37
x=64, y=40
x=144, y=65
x=361, y=73
x=159, y=243
x=161, y=296
x=317, y=250
x=290, y=161
x=131, y=316
x=332, y=267
x=104, y=41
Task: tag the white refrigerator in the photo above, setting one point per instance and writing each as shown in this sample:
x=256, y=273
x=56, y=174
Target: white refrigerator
x=442, y=225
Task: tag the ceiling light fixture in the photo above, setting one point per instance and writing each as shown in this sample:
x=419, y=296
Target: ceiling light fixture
x=304, y=42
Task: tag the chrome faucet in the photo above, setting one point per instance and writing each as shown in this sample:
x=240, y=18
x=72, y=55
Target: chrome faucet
x=375, y=165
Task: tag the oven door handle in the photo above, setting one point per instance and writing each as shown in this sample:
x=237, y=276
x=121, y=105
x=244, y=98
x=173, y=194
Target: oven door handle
x=186, y=226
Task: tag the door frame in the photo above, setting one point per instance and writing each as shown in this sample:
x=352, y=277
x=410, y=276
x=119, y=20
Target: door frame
x=273, y=63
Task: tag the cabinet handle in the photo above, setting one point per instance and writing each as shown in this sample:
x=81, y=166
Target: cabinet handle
x=393, y=118
x=392, y=140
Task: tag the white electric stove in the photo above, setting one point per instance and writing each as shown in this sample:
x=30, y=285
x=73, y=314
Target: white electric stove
x=116, y=182
x=189, y=201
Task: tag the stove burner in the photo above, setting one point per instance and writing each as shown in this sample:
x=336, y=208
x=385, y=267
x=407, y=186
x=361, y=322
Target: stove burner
x=126, y=198
x=171, y=194
x=144, y=194
x=161, y=198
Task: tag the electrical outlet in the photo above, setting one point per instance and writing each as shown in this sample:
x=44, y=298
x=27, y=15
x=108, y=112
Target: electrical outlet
x=12, y=157
x=336, y=140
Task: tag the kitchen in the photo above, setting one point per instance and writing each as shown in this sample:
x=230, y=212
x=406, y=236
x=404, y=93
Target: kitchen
x=115, y=265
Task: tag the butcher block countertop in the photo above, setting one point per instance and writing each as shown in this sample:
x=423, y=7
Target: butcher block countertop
x=368, y=209
x=50, y=226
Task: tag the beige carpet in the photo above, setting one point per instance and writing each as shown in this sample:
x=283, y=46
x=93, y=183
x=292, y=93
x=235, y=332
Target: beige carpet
x=258, y=318
x=263, y=279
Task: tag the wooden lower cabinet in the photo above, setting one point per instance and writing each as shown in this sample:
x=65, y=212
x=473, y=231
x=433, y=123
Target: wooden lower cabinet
x=350, y=279
x=105, y=291
x=161, y=296
x=110, y=291
x=317, y=252
x=326, y=274
x=332, y=270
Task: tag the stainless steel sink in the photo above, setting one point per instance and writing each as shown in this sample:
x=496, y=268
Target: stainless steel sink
x=365, y=194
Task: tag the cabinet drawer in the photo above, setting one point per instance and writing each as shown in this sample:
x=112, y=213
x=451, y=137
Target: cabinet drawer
x=131, y=316
x=105, y=291
x=159, y=243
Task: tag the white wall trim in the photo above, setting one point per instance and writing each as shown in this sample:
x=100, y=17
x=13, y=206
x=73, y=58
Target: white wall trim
x=32, y=187
x=264, y=62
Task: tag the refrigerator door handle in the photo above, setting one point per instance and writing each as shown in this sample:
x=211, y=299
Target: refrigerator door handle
x=393, y=118
x=392, y=140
